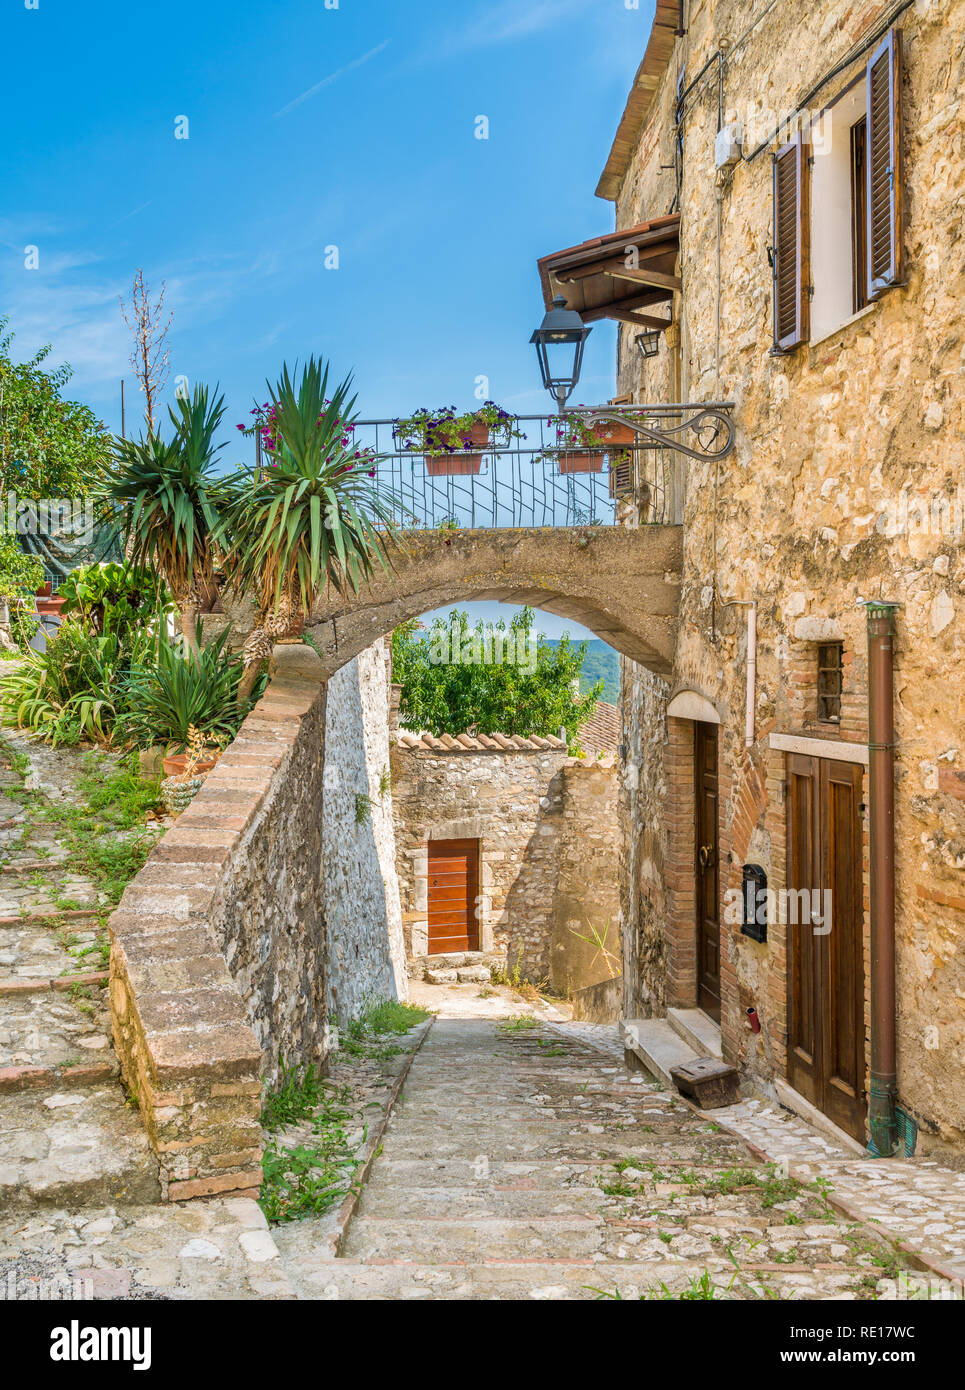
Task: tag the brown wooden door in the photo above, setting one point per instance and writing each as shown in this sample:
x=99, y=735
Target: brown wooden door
x=825, y=944
x=453, y=888
x=707, y=870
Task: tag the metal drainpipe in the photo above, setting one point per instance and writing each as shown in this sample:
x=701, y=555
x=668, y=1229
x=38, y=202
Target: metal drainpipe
x=882, y=1119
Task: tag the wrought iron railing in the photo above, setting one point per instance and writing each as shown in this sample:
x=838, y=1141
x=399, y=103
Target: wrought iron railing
x=537, y=480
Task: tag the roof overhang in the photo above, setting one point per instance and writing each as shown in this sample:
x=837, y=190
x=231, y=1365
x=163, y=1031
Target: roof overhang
x=659, y=49
x=624, y=275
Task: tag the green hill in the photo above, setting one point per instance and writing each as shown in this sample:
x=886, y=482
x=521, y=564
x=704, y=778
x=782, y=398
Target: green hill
x=602, y=663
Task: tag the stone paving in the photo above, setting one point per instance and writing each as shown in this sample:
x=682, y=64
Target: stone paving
x=519, y=1163
x=919, y=1202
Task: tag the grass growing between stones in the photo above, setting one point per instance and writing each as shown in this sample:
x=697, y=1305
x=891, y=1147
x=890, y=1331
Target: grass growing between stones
x=381, y=1018
x=308, y=1178
x=104, y=829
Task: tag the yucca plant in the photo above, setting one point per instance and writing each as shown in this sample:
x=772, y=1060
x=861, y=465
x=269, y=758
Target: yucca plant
x=309, y=518
x=169, y=497
x=180, y=690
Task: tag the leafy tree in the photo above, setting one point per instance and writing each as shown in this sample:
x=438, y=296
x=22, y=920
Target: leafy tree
x=49, y=447
x=452, y=678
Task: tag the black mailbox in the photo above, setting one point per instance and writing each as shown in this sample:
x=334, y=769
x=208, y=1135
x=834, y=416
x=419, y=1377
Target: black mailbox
x=755, y=902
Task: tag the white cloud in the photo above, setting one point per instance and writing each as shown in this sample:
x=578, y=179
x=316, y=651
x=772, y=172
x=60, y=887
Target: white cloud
x=509, y=20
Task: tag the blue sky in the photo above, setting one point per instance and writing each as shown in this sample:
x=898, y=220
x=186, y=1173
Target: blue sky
x=309, y=127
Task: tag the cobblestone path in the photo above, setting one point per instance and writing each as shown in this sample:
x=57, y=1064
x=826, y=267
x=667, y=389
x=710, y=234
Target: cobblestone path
x=522, y=1163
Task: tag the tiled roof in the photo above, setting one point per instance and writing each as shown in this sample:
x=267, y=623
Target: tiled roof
x=479, y=743
x=601, y=732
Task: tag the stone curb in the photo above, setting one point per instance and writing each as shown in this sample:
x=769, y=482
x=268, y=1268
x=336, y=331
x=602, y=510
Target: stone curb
x=55, y=915
x=16, y=1079
x=335, y=1238
x=58, y=983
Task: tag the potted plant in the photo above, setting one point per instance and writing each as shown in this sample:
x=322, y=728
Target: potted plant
x=185, y=772
x=449, y=442
x=582, y=443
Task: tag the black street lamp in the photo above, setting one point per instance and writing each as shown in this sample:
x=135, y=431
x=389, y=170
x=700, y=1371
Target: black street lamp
x=559, y=346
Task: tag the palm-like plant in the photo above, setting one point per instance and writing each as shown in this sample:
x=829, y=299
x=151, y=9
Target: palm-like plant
x=311, y=517
x=169, y=498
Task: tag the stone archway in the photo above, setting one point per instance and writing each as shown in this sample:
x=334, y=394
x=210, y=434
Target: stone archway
x=622, y=584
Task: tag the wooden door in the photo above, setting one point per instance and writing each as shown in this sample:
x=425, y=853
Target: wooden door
x=825, y=944
x=707, y=870
x=453, y=888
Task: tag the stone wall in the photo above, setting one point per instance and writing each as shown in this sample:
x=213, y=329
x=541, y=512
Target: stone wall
x=548, y=850
x=830, y=438
x=366, y=955
x=219, y=946
x=587, y=898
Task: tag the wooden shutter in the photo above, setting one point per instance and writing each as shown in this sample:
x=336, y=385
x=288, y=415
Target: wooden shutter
x=884, y=167
x=792, y=273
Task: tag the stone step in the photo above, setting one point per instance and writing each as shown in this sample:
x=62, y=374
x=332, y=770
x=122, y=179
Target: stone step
x=697, y=1030
x=473, y=1240
x=658, y=1046
x=69, y=1148
x=483, y=1201
x=54, y=1028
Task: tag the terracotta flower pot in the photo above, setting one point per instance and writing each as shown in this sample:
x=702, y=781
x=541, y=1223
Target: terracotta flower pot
x=46, y=606
x=459, y=465
x=176, y=765
x=581, y=461
x=614, y=435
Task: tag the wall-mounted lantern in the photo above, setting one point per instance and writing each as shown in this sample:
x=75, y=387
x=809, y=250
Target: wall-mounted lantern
x=648, y=343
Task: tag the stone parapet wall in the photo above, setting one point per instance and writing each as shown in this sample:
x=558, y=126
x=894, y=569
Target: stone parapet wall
x=217, y=947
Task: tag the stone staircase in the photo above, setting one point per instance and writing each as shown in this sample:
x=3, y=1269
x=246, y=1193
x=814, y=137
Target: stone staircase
x=520, y=1164
x=66, y=1134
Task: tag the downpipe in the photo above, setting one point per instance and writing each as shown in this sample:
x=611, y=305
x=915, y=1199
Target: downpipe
x=887, y=1122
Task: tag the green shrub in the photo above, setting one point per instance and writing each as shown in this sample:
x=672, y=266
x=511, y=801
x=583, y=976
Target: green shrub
x=75, y=689
x=180, y=691
x=114, y=598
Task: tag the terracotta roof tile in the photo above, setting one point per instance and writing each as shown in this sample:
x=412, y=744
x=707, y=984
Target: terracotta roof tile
x=601, y=733
x=480, y=743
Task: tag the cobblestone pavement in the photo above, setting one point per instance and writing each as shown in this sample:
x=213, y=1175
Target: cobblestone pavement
x=520, y=1162
x=919, y=1202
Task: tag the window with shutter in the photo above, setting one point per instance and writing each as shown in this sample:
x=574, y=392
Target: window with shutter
x=884, y=168
x=791, y=241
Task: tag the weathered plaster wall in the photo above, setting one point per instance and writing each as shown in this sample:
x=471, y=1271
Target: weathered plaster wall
x=366, y=956
x=830, y=438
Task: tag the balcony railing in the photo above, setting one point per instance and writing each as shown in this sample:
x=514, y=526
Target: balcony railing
x=535, y=480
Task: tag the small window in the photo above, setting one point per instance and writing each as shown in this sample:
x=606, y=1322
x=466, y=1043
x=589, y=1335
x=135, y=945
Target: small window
x=859, y=215
x=830, y=682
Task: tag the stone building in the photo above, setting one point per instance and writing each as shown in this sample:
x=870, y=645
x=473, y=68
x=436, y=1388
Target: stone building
x=805, y=165
x=507, y=851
